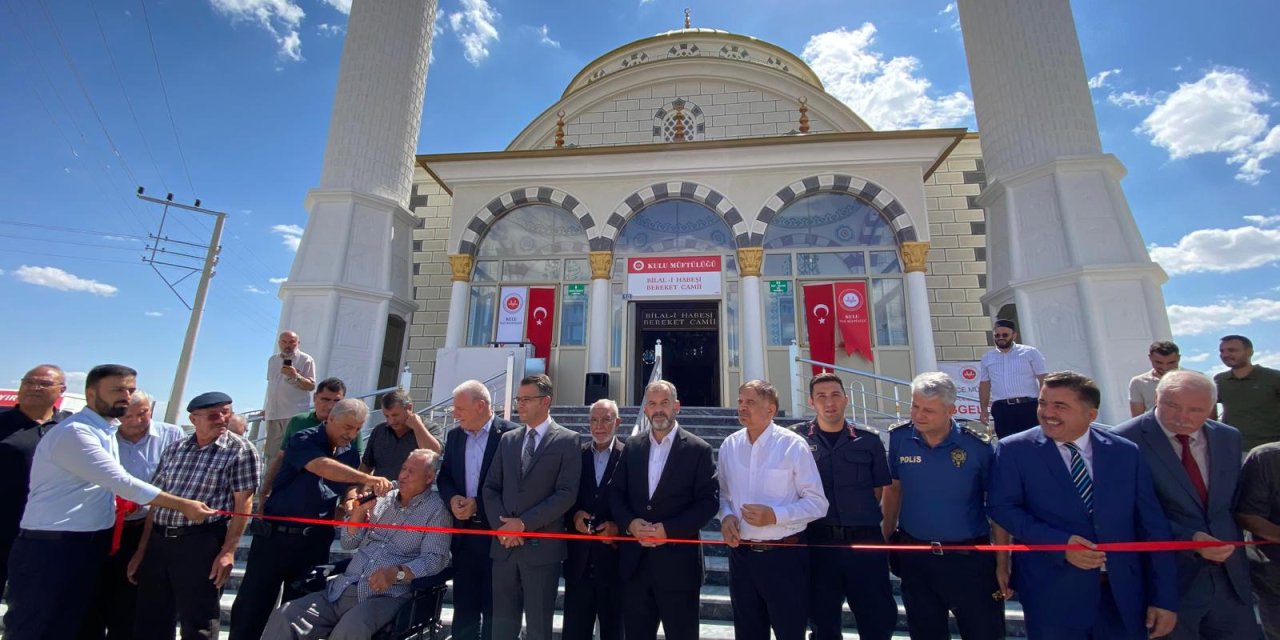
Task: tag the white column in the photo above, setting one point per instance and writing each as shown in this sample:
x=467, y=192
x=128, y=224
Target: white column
x=599, y=314
x=750, y=259
x=459, y=299
x=915, y=257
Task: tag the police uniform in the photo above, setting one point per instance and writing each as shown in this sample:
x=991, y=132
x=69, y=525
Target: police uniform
x=852, y=464
x=943, y=495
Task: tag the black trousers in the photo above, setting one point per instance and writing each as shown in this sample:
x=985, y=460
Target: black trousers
x=1013, y=418
x=52, y=580
x=588, y=599
x=649, y=599
x=861, y=578
x=275, y=559
x=111, y=610
x=472, y=588
x=769, y=590
x=174, y=585
x=5, y=547
x=963, y=584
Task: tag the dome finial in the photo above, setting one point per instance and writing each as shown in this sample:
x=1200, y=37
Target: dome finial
x=688, y=19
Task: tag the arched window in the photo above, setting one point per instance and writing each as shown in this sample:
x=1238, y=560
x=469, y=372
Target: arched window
x=675, y=226
x=534, y=230
x=825, y=237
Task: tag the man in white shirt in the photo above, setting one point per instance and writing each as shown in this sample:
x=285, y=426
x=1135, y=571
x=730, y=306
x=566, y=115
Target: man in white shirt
x=1009, y=378
x=291, y=376
x=770, y=490
x=66, y=529
x=1164, y=358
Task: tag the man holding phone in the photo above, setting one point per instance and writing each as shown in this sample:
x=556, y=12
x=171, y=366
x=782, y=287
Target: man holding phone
x=291, y=376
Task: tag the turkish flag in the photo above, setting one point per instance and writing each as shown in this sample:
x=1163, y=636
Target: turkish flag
x=853, y=319
x=819, y=302
x=541, y=318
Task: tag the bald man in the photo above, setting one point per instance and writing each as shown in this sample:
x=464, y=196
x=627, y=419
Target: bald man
x=291, y=377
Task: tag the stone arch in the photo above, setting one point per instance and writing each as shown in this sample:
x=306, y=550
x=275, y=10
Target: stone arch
x=869, y=192
x=675, y=190
x=480, y=223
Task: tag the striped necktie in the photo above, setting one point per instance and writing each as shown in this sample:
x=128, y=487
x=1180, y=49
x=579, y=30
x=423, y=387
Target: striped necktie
x=1080, y=477
x=530, y=445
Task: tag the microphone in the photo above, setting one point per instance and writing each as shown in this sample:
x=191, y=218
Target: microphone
x=366, y=497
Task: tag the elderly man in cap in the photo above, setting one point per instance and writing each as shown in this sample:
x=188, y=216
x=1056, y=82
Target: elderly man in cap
x=180, y=566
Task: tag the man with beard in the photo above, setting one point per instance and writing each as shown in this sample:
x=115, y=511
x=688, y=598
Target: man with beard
x=1249, y=393
x=591, y=589
x=66, y=529
x=663, y=489
x=1009, y=378
x=391, y=441
x=291, y=375
x=1164, y=357
x=21, y=428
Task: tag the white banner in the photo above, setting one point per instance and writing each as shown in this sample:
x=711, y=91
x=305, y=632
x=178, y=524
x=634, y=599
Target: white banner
x=673, y=277
x=965, y=375
x=511, y=314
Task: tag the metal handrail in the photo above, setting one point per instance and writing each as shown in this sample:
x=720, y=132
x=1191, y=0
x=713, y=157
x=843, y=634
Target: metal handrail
x=444, y=406
x=642, y=420
x=255, y=417
x=875, y=376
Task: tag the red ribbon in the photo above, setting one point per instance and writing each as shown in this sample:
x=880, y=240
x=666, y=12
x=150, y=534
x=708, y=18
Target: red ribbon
x=123, y=509
x=1169, y=545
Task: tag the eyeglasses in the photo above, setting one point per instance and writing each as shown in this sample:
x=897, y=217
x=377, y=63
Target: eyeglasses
x=41, y=384
x=524, y=399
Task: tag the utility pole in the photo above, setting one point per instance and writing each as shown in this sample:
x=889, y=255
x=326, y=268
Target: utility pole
x=174, y=406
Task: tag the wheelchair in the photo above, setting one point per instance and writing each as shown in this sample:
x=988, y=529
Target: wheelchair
x=417, y=619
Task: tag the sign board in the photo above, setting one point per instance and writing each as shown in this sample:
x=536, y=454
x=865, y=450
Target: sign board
x=8, y=398
x=673, y=276
x=575, y=290
x=677, y=319
x=965, y=375
x=778, y=286
x=511, y=314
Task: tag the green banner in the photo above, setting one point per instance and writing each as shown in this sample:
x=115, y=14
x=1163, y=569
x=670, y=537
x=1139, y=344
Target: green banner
x=575, y=290
x=779, y=286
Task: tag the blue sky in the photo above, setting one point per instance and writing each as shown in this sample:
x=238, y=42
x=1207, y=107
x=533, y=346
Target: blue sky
x=1186, y=98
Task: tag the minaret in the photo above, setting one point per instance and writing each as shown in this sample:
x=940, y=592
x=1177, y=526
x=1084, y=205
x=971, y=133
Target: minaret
x=1064, y=257
x=349, y=290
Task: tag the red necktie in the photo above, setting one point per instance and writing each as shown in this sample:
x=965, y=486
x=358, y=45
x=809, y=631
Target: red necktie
x=1193, y=469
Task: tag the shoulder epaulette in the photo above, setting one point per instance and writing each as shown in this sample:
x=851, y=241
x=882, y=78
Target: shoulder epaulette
x=981, y=435
x=899, y=425
x=868, y=428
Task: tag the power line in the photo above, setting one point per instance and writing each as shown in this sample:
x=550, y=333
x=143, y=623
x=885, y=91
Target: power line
x=115, y=71
x=67, y=257
x=69, y=242
x=50, y=227
x=146, y=19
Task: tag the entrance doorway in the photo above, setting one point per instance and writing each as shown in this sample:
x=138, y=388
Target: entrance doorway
x=690, y=335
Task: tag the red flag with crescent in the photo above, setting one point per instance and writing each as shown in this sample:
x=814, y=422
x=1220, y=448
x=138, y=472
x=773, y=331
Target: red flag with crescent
x=853, y=319
x=820, y=321
x=541, y=319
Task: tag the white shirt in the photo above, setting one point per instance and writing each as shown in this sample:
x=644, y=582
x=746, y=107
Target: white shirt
x=141, y=458
x=1012, y=373
x=658, y=454
x=474, y=457
x=601, y=459
x=1199, y=449
x=285, y=398
x=75, y=476
x=777, y=471
x=537, y=433
x=1086, y=452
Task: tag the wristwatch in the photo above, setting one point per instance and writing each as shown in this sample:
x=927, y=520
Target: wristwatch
x=401, y=575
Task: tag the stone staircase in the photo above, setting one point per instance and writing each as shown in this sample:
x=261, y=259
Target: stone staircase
x=713, y=425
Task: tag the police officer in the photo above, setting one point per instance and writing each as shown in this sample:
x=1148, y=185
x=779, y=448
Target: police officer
x=852, y=464
x=940, y=474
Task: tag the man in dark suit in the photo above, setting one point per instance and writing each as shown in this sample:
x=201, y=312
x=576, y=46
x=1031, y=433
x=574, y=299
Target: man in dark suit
x=591, y=588
x=1065, y=482
x=1195, y=463
x=531, y=485
x=468, y=452
x=664, y=488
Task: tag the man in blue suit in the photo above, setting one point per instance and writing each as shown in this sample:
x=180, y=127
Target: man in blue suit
x=1043, y=492
x=1195, y=463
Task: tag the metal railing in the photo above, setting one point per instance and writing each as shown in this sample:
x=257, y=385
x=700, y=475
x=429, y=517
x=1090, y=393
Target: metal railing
x=256, y=417
x=642, y=420
x=892, y=406
x=441, y=413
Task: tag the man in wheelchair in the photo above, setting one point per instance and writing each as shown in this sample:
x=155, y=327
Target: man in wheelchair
x=367, y=595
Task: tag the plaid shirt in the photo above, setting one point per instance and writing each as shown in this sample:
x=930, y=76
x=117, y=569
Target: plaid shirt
x=425, y=554
x=210, y=474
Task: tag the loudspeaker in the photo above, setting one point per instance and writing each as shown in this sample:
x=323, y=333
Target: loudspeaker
x=597, y=387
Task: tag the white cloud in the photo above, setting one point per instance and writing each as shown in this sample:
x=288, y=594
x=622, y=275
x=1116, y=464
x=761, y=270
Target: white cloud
x=277, y=280
x=1263, y=221
x=1132, y=99
x=329, y=30
x=252, y=289
x=475, y=28
x=1100, y=80
x=120, y=238
x=1216, y=114
x=341, y=5
x=56, y=278
x=290, y=235
x=886, y=93
x=544, y=38
x=1189, y=320
x=950, y=8
x=152, y=314
x=280, y=18
x=75, y=380
x=1195, y=358
x=954, y=17
x=1220, y=250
